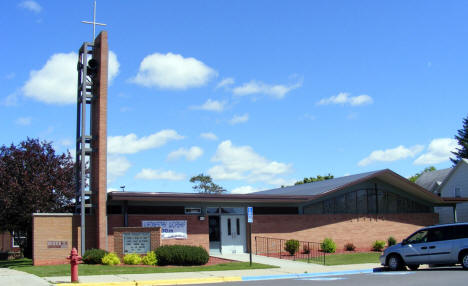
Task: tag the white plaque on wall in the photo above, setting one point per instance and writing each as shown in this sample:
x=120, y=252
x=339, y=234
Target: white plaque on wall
x=170, y=229
x=136, y=242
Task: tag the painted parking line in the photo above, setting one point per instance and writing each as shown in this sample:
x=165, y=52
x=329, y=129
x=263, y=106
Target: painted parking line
x=306, y=275
x=392, y=273
x=324, y=279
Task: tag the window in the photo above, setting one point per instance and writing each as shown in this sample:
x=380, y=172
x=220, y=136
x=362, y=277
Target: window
x=418, y=237
x=192, y=210
x=457, y=192
x=16, y=240
x=229, y=226
x=212, y=210
x=362, y=201
x=232, y=210
x=238, y=226
x=437, y=234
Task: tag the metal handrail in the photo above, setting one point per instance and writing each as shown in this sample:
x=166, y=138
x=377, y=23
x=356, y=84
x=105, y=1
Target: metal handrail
x=275, y=247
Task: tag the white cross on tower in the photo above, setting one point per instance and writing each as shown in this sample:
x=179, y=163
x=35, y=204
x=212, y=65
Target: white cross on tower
x=94, y=23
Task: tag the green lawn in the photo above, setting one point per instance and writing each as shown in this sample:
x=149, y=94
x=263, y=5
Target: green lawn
x=84, y=269
x=351, y=258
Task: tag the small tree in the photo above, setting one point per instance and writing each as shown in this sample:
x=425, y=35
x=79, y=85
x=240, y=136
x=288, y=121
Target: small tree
x=291, y=246
x=33, y=178
x=462, y=139
x=314, y=179
x=205, y=185
x=417, y=175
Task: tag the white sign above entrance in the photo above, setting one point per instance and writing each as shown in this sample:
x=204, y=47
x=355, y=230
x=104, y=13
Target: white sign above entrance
x=170, y=229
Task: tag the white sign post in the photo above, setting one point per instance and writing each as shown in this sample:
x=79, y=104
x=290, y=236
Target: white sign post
x=250, y=221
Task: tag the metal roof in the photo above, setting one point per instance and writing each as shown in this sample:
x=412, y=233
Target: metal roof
x=432, y=180
x=320, y=187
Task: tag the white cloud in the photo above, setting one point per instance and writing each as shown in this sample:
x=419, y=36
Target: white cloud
x=10, y=100
x=225, y=82
x=438, y=151
x=113, y=66
x=66, y=142
x=190, y=154
x=130, y=144
x=242, y=163
x=55, y=82
x=172, y=71
x=117, y=166
x=257, y=87
x=31, y=6
x=211, y=105
x=24, y=121
x=244, y=190
x=209, y=136
x=239, y=119
x=390, y=155
x=345, y=98
x=150, y=174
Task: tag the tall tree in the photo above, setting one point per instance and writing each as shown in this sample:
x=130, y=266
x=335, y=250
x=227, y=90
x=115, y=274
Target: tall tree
x=33, y=178
x=462, y=138
x=417, y=175
x=205, y=185
x=314, y=179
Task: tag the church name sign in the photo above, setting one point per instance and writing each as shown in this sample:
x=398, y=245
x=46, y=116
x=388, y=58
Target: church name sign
x=136, y=242
x=170, y=229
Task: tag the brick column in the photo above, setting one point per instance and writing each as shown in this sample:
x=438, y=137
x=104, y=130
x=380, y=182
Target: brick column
x=99, y=144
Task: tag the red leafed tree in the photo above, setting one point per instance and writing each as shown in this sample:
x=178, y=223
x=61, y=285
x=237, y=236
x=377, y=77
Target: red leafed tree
x=33, y=178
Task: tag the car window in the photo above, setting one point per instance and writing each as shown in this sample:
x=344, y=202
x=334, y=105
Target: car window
x=438, y=234
x=418, y=237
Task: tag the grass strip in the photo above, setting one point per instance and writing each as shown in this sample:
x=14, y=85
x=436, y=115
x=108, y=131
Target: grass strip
x=85, y=269
x=350, y=258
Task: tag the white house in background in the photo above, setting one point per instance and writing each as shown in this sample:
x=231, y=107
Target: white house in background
x=452, y=185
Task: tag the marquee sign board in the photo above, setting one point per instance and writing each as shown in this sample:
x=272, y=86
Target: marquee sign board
x=136, y=242
x=170, y=229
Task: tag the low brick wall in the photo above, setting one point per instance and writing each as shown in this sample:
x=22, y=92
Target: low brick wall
x=155, y=237
x=361, y=230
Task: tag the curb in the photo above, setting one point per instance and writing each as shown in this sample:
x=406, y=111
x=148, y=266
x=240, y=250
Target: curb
x=221, y=279
x=159, y=282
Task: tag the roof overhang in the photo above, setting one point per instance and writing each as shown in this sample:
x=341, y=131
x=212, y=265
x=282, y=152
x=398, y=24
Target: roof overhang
x=216, y=198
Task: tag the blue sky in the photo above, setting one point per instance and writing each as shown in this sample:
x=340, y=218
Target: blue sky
x=256, y=94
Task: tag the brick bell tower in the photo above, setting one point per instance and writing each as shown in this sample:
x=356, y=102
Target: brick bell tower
x=91, y=142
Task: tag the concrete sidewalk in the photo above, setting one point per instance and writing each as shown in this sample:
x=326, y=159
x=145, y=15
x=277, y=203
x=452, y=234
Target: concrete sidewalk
x=287, y=269
x=12, y=277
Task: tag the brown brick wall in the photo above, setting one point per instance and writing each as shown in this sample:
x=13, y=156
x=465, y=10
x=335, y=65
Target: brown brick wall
x=362, y=231
x=52, y=228
x=155, y=237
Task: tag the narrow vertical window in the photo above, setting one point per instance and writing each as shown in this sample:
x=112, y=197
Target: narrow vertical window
x=229, y=226
x=238, y=226
x=457, y=192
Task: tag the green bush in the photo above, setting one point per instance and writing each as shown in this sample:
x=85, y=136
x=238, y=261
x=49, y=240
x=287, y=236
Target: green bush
x=378, y=245
x=132, y=259
x=291, y=246
x=349, y=246
x=110, y=259
x=150, y=258
x=391, y=241
x=328, y=245
x=94, y=256
x=181, y=255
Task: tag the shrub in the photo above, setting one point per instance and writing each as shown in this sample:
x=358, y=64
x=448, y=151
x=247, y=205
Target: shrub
x=328, y=245
x=132, y=259
x=378, y=245
x=349, y=246
x=150, y=258
x=181, y=255
x=306, y=249
x=291, y=246
x=391, y=241
x=94, y=256
x=110, y=259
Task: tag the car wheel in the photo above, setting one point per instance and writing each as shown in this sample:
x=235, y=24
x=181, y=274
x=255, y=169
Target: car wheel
x=394, y=262
x=413, y=266
x=464, y=260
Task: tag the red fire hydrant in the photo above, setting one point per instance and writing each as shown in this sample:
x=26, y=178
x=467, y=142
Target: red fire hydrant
x=75, y=259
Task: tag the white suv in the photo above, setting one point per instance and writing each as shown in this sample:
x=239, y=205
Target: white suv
x=438, y=244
